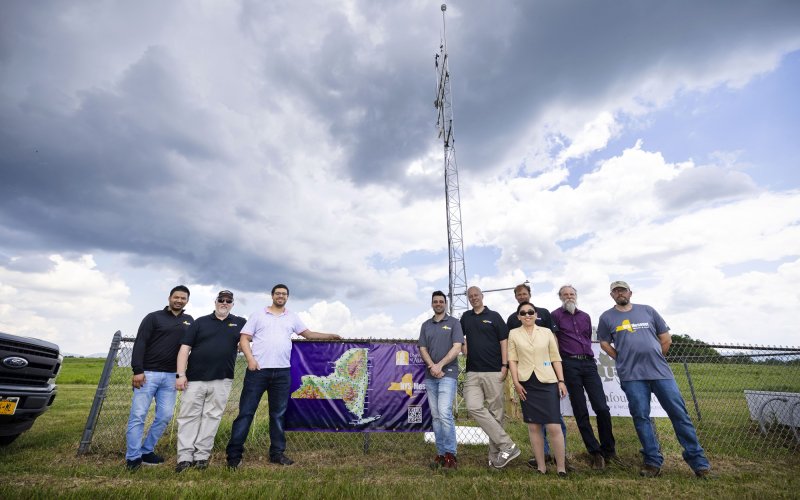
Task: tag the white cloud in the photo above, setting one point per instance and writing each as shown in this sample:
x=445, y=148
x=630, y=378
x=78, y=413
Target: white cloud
x=62, y=304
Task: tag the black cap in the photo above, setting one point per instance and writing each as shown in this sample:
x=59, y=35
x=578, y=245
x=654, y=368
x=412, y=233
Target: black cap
x=225, y=293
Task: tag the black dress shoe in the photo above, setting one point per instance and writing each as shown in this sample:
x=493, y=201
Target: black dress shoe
x=281, y=460
x=182, y=466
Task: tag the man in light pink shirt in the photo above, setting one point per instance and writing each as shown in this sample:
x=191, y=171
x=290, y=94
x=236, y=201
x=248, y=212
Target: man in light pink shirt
x=270, y=330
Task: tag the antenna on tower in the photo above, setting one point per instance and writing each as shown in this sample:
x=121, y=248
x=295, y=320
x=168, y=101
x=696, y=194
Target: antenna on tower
x=457, y=293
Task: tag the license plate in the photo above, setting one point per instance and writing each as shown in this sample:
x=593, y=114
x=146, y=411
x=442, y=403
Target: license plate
x=8, y=405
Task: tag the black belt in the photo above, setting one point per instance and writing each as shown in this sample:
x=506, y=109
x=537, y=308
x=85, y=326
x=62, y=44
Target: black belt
x=581, y=356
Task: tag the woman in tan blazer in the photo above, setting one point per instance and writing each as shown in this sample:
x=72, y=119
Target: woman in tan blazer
x=535, y=366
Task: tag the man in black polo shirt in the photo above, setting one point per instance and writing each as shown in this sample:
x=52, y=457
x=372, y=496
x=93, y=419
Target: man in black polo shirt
x=522, y=293
x=207, y=381
x=153, y=360
x=486, y=348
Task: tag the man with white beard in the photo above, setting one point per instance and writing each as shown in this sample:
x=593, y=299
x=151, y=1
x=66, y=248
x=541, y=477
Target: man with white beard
x=574, y=336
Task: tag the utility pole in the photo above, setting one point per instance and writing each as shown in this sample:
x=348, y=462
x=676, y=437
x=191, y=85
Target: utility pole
x=457, y=289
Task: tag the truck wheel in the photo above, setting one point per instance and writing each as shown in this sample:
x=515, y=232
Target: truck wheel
x=7, y=440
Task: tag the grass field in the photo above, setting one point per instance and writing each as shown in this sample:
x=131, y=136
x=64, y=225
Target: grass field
x=42, y=463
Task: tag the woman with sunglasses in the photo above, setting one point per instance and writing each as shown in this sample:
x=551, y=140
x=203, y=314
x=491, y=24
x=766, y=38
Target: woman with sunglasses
x=535, y=366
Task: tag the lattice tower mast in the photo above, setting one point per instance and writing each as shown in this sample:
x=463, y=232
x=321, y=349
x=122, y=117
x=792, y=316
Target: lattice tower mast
x=455, y=244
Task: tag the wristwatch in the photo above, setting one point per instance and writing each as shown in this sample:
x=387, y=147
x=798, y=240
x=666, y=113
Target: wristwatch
x=179, y=375
x=505, y=364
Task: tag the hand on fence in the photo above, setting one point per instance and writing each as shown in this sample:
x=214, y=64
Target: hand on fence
x=138, y=381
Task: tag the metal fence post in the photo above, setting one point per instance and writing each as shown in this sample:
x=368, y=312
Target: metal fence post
x=691, y=389
x=100, y=394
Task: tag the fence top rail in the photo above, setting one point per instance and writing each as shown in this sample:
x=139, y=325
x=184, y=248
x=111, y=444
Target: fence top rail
x=789, y=350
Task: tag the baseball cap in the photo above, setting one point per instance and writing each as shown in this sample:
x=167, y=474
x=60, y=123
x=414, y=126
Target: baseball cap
x=225, y=293
x=619, y=284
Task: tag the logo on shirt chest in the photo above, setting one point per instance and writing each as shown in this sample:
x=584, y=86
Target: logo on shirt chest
x=445, y=327
x=487, y=321
x=627, y=326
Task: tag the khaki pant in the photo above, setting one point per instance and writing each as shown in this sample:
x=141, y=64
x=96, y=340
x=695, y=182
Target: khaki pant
x=202, y=405
x=480, y=387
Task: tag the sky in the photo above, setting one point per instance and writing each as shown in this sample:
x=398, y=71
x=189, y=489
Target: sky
x=236, y=144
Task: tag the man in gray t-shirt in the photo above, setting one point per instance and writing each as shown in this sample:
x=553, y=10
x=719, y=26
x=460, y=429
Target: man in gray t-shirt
x=641, y=340
x=440, y=340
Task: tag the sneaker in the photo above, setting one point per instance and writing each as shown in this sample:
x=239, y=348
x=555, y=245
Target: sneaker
x=562, y=474
x=532, y=463
x=450, y=461
x=598, y=462
x=234, y=463
x=648, y=470
x=182, y=466
x=702, y=473
x=281, y=460
x=200, y=464
x=152, y=459
x=438, y=461
x=504, y=457
x=133, y=465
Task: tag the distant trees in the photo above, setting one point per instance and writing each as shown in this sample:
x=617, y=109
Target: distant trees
x=685, y=348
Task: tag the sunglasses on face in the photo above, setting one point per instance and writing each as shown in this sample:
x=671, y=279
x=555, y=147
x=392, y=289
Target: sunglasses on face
x=530, y=312
x=225, y=301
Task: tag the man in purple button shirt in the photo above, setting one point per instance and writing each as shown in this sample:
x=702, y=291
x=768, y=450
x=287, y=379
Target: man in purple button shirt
x=580, y=373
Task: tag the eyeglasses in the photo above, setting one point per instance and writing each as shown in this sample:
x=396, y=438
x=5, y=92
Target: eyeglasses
x=225, y=301
x=529, y=312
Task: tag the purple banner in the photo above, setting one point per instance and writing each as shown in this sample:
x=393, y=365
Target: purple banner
x=357, y=387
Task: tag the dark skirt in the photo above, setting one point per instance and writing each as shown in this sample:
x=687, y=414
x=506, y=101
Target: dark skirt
x=542, y=404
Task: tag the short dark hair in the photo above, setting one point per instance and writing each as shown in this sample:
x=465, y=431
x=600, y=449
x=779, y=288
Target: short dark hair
x=439, y=293
x=525, y=304
x=180, y=288
x=279, y=285
x=521, y=286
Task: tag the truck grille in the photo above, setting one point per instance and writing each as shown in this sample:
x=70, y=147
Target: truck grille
x=43, y=364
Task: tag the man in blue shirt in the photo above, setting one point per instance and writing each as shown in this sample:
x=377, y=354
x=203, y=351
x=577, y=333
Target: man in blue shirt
x=641, y=340
x=440, y=339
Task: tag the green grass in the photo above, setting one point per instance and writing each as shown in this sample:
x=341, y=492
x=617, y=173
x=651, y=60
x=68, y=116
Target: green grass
x=42, y=463
x=81, y=371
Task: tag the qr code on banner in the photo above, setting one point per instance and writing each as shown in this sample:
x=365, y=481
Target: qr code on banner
x=414, y=414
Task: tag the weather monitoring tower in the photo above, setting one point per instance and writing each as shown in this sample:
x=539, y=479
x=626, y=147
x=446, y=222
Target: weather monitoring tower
x=457, y=294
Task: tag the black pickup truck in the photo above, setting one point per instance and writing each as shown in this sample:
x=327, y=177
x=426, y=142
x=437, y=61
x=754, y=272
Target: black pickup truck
x=28, y=369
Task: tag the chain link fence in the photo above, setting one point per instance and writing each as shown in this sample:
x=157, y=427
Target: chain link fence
x=744, y=400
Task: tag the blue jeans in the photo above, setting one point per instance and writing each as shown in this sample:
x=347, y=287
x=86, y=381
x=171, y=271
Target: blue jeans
x=668, y=394
x=276, y=382
x=441, y=392
x=158, y=385
x=544, y=433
